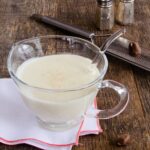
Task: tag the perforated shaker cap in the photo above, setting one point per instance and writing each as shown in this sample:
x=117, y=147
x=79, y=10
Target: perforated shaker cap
x=104, y=3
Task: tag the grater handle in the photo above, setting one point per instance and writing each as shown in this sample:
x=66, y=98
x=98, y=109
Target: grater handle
x=58, y=24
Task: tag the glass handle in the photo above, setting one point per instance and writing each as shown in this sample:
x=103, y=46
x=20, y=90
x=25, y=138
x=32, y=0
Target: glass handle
x=124, y=99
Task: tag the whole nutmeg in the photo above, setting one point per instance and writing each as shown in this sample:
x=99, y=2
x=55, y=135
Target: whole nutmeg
x=123, y=140
x=135, y=49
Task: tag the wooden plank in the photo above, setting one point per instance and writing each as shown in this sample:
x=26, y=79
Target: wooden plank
x=7, y=34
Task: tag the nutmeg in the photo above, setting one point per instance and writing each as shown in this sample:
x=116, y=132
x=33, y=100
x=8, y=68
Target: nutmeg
x=123, y=140
x=134, y=49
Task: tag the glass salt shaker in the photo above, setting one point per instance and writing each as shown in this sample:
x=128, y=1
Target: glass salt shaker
x=125, y=12
x=105, y=14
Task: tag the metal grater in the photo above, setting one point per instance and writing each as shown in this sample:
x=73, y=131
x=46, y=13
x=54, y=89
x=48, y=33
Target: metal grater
x=119, y=49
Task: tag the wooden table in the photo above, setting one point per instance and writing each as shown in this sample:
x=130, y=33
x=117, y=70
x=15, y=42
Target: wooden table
x=135, y=120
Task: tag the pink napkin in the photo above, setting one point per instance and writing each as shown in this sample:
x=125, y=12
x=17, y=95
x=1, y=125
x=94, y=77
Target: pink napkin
x=18, y=124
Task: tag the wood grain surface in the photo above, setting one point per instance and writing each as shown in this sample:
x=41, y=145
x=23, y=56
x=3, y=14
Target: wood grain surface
x=135, y=120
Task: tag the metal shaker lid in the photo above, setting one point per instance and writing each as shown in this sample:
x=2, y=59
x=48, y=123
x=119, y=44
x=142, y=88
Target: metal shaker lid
x=104, y=3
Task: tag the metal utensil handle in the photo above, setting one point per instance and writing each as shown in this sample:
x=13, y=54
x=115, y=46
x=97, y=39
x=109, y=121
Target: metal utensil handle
x=58, y=24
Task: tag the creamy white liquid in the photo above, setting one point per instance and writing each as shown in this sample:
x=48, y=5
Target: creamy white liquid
x=58, y=72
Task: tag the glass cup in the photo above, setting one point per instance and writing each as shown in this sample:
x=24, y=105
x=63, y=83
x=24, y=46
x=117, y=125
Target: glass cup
x=61, y=109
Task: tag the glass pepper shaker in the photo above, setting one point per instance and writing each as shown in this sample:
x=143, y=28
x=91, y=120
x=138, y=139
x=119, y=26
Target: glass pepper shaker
x=125, y=12
x=105, y=14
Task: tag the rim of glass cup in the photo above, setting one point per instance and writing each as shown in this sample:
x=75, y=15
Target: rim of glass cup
x=12, y=74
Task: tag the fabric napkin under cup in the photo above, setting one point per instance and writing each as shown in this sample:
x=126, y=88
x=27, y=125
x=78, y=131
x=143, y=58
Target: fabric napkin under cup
x=18, y=124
